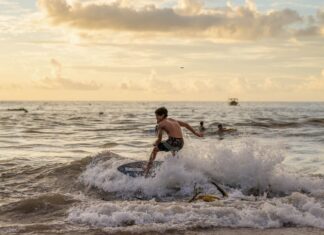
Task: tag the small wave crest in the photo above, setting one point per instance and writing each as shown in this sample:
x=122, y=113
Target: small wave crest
x=40, y=207
x=270, y=123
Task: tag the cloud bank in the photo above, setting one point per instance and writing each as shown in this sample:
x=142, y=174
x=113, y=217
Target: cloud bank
x=56, y=81
x=188, y=18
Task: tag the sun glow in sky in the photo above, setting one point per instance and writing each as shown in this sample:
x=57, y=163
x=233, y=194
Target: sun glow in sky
x=195, y=50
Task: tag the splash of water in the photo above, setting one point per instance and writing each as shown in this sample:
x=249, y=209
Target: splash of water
x=250, y=167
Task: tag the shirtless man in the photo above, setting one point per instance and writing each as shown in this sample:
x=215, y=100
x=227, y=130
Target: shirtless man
x=173, y=129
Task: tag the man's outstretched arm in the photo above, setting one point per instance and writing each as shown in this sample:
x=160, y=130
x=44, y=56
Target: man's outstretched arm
x=186, y=125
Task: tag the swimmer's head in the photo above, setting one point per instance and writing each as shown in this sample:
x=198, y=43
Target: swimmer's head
x=201, y=123
x=220, y=126
x=161, y=113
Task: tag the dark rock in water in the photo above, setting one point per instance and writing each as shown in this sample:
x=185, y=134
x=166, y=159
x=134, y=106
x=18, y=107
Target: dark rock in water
x=18, y=110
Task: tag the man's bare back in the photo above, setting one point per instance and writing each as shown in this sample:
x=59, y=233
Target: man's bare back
x=171, y=127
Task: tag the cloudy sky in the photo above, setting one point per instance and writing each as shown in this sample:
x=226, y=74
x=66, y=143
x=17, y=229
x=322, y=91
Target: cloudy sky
x=200, y=50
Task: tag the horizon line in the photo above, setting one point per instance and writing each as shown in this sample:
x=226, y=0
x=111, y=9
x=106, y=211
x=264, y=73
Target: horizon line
x=172, y=101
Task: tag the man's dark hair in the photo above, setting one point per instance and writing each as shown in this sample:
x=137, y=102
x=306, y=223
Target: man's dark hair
x=201, y=123
x=162, y=111
x=220, y=125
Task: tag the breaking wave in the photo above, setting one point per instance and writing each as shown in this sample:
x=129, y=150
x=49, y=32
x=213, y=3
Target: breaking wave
x=251, y=168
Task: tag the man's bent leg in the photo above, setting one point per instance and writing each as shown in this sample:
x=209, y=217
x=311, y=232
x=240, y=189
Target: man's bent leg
x=151, y=160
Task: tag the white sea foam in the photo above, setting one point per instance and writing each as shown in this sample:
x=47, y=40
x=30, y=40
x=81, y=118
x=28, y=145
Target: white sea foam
x=295, y=210
x=249, y=167
x=242, y=168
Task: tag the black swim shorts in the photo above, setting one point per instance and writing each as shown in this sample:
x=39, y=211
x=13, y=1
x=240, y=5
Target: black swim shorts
x=171, y=144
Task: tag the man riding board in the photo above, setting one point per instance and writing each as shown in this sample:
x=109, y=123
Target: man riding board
x=175, y=140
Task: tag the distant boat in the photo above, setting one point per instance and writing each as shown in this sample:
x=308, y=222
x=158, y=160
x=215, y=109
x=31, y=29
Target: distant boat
x=233, y=101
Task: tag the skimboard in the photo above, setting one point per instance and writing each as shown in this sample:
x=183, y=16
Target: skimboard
x=136, y=169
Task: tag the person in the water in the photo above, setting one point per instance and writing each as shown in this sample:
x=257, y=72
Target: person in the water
x=202, y=128
x=222, y=130
x=175, y=138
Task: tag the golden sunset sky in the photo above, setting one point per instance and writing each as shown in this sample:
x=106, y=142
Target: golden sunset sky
x=135, y=50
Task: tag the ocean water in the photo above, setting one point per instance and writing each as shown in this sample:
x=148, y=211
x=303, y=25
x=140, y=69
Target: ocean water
x=58, y=167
